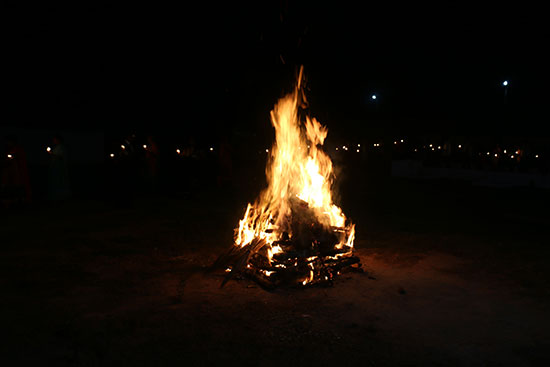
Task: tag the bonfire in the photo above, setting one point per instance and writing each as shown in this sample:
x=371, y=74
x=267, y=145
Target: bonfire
x=293, y=234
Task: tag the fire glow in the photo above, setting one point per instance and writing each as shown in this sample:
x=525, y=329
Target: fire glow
x=294, y=233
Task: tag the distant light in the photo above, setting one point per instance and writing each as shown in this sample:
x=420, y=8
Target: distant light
x=111, y=155
x=122, y=147
x=211, y=149
x=359, y=145
x=10, y=156
x=267, y=150
x=512, y=156
x=505, y=83
x=357, y=150
x=504, y=151
x=144, y=146
x=395, y=142
x=373, y=97
x=336, y=148
x=433, y=148
x=401, y=140
x=48, y=149
x=308, y=147
x=459, y=146
x=517, y=151
x=439, y=147
x=496, y=155
x=431, y=145
x=416, y=150
x=178, y=151
x=488, y=153
x=536, y=155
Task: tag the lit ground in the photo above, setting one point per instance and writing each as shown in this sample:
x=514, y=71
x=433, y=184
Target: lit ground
x=454, y=276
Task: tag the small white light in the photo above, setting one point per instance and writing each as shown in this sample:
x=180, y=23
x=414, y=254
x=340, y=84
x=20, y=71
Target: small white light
x=439, y=147
x=416, y=150
x=267, y=150
x=178, y=151
x=48, y=149
x=431, y=145
x=505, y=83
x=459, y=146
x=144, y=146
x=401, y=140
x=122, y=147
x=488, y=153
x=10, y=156
x=433, y=148
x=359, y=145
x=336, y=148
x=395, y=142
x=373, y=97
x=357, y=150
x=517, y=151
x=536, y=155
x=496, y=155
x=111, y=155
x=211, y=149
x=512, y=156
x=504, y=151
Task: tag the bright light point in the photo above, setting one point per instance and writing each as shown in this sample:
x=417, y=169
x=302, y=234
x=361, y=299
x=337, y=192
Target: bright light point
x=512, y=156
x=144, y=146
x=416, y=150
x=488, y=153
x=308, y=146
x=395, y=142
x=373, y=97
x=505, y=83
x=48, y=149
x=401, y=140
x=10, y=156
x=357, y=150
x=431, y=145
x=211, y=149
x=459, y=146
x=122, y=147
x=536, y=156
x=359, y=145
x=178, y=151
x=111, y=155
x=267, y=150
x=504, y=151
x=336, y=148
x=439, y=147
x=517, y=151
x=496, y=155
x=433, y=148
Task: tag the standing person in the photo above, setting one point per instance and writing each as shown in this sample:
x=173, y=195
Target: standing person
x=151, y=162
x=59, y=188
x=15, y=183
x=225, y=164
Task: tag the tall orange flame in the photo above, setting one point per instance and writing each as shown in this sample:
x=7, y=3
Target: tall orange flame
x=298, y=169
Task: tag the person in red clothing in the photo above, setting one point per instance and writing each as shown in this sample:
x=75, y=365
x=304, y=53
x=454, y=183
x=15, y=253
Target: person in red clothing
x=15, y=182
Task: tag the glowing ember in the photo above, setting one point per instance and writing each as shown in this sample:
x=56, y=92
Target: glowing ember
x=294, y=226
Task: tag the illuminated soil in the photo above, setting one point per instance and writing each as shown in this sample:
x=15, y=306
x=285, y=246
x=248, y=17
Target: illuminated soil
x=455, y=275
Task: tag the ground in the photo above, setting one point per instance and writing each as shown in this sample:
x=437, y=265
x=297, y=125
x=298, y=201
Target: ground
x=454, y=276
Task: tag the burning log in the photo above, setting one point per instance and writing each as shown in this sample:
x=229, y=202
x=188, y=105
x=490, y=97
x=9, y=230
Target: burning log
x=293, y=234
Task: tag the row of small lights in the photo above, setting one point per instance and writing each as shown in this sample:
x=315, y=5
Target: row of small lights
x=178, y=151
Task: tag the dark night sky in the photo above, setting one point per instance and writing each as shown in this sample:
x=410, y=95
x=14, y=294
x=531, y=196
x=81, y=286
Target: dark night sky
x=434, y=69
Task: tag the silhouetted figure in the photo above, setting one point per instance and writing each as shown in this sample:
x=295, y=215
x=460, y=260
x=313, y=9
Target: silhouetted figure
x=151, y=163
x=59, y=187
x=225, y=164
x=15, y=183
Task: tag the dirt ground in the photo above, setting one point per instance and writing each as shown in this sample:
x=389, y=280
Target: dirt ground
x=454, y=276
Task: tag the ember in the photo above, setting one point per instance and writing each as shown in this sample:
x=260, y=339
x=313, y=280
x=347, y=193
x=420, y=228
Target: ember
x=293, y=234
